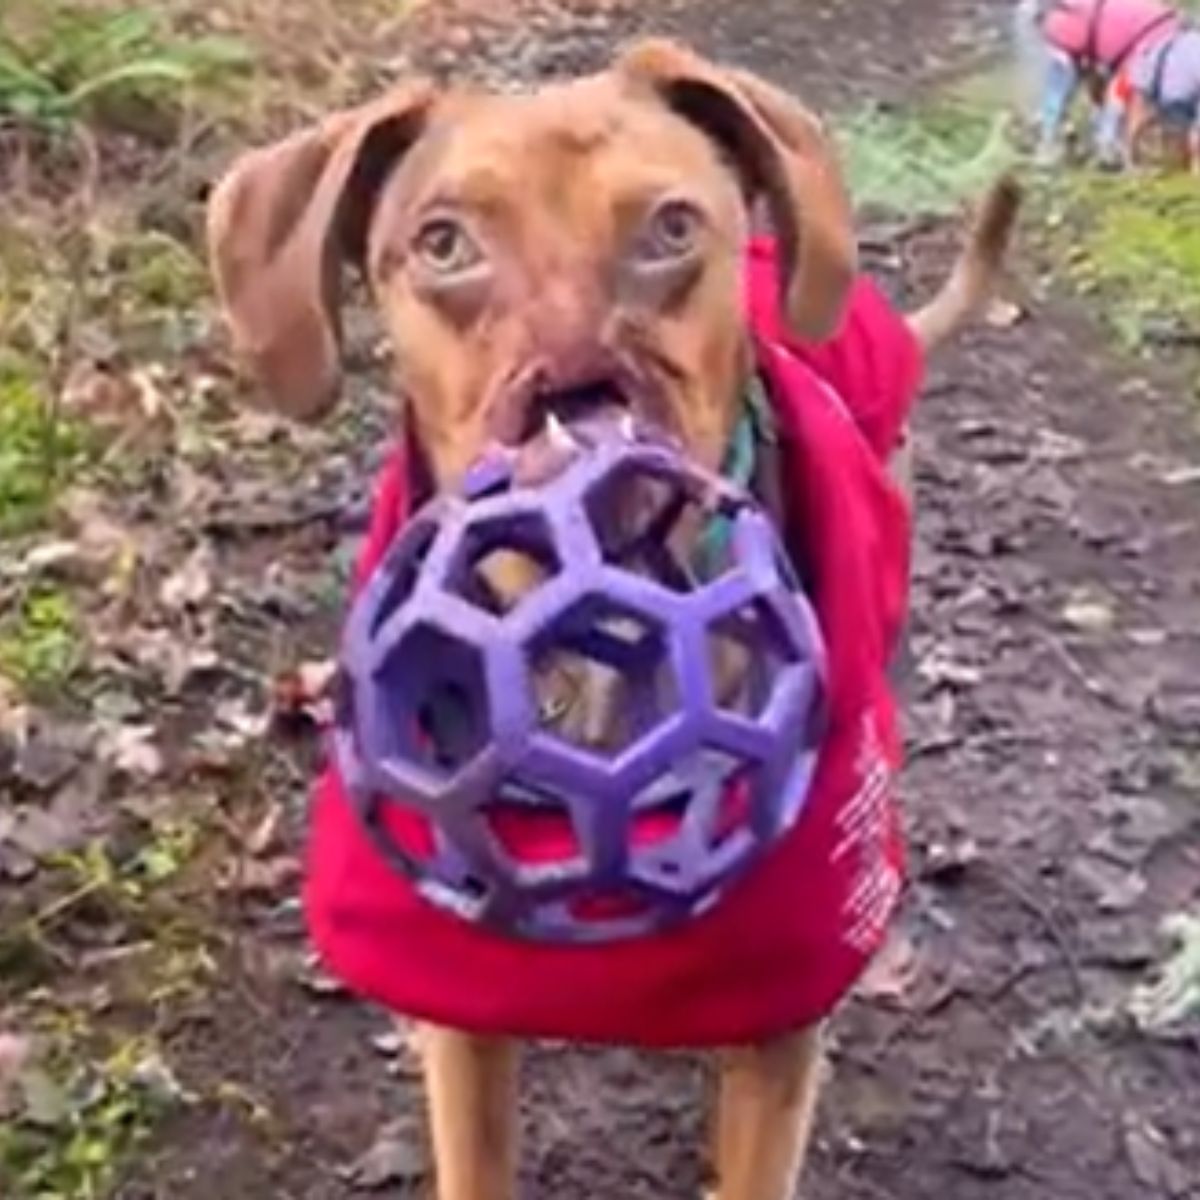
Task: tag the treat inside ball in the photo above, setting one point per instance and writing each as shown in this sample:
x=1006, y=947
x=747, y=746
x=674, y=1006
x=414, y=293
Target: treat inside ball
x=579, y=709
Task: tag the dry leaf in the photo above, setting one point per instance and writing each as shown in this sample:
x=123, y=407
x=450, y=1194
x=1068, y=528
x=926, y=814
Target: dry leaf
x=263, y=836
x=399, y=1155
x=941, y=668
x=262, y=877
x=15, y=1052
x=1003, y=314
x=306, y=691
x=103, y=397
x=192, y=583
x=1089, y=615
x=893, y=972
x=1150, y=1159
x=131, y=749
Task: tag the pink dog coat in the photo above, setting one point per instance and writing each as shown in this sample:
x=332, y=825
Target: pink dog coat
x=788, y=941
x=1104, y=32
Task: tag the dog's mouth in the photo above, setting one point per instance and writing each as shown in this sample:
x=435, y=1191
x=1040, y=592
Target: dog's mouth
x=556, y=422
x=602, y=398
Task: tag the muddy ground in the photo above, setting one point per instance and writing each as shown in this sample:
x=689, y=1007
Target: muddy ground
x=1052, y=795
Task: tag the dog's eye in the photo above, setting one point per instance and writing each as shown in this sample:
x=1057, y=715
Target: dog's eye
x=669, y=234
x=445, y=246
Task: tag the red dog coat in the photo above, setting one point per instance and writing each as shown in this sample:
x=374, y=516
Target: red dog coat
x=786, y=942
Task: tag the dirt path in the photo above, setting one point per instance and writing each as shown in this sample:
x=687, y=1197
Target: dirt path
x=1052, y=797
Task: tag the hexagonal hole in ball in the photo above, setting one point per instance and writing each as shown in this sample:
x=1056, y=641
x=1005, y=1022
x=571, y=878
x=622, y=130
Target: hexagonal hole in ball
x=655, y=526
x=602, y=676
x=406, y=558
x=437, y=683
x=747, y=650
x=503, y=561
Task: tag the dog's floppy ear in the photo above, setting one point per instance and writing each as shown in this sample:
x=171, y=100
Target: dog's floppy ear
x=281, y=225
x=783, y=156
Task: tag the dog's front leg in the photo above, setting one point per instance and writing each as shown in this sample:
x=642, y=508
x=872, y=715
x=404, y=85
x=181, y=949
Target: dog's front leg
x=471, y=1090
x=765, y=1101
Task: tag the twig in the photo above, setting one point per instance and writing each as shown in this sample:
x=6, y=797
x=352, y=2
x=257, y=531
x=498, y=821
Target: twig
x=270, y=521
x=1092, y=686
x=1046, y=918
x=941, y=743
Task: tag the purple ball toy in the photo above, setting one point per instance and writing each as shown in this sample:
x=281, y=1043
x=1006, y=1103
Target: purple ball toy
x=445, y=714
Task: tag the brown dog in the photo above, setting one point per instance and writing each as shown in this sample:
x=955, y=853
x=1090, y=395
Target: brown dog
x=534, y=257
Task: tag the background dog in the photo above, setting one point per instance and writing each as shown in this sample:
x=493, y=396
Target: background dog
x=1160, y=87
x=1066, y=45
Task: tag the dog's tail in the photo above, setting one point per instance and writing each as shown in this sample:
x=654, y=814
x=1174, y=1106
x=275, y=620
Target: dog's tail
x=974, y=275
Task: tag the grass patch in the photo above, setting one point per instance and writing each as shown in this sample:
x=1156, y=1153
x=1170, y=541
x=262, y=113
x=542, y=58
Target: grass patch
x=36, y=447
x=924, y=162
x=40, y=643
x=80, y=1116
x=1131, y=241
x=1134, y=241
x=64, y=62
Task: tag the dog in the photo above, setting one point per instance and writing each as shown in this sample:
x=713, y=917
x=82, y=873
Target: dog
x=1074, y=43
x=1160, y=88
x=537, y=260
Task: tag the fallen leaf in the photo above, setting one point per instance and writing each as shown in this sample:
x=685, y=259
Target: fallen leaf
x=1003, y=314
x=399, y=1154
x=390, y=1042
x=15, y=1052
x=313, y=979
x=154, y=1075
x=1089, y=616
x=44, y=1102
x=192, y=583
x=1116, y=888
x=49, y=752
x=941, y=668
x=893, y=972
x=51, y=556
x=1181, y=476
x=263, y=836
x=1151, y=1160
x=67, y=822
x=104, y=397
x=131, y=750
x=1173, y=997
x=302, y=689
x=947, y=862
x=237, y=717
x=261, y=877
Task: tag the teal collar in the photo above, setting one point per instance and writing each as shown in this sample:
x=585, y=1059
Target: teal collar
x=755, y=426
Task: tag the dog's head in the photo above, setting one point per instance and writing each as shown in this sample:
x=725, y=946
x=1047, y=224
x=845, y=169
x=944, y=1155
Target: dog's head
x=554, y=252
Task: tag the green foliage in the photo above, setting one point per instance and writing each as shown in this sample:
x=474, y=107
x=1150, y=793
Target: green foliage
x=1135, y=241
x=61, y=62
x=40, y=642
x=78, y=1119
x=1173, y=998
x=36, y=446
x=924, y=162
